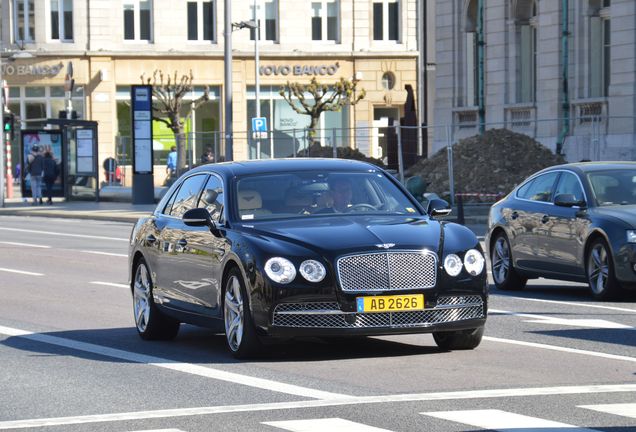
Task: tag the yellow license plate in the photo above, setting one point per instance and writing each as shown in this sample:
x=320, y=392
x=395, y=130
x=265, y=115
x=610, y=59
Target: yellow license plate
x=409, y=302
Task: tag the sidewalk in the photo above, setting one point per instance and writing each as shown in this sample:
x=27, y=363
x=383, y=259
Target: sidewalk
x=108, y=211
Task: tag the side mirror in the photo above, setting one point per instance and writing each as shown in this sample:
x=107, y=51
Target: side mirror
x=197, y=217
x=438, y=207
x=568, y=200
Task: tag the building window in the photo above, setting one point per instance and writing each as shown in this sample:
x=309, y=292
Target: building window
x=140, y=12
x=202, y=20
x=24, y=19
x=388, y=81
x=35, y=104
x=269, y=16
x=526, y=37
x=469, y=56
x=386, y=20
x=62, y=20
x=600, y=47
x=325, y=20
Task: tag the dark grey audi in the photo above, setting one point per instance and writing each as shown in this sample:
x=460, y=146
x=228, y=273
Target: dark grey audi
x=572, y=222
x=272, y=249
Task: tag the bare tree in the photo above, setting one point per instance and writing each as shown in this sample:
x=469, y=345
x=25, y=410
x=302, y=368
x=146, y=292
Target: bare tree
x=324, y=97
x=168, y=93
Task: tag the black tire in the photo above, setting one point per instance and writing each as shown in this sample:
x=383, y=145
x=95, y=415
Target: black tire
x=459, y=339
x=504, y=274
x=599, y=268
x=151, y=324
x=240, y=332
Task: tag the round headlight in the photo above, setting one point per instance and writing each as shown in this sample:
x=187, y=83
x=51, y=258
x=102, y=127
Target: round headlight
x=312, y=270
x=474, y=262
x=452, y=265
x=280, y=270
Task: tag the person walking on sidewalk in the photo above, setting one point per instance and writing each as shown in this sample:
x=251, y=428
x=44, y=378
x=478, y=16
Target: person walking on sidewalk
x=50, y=173
x=35, y=169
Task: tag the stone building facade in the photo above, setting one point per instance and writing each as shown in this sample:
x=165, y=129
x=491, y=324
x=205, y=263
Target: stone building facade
x=110, y=44
x=561, y=71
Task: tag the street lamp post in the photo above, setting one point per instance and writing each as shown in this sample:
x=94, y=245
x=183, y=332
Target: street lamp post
x=2, y=150
x=257, y=36
x=229, y=150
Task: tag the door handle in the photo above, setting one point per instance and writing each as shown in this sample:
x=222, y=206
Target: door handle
x=151, y=239
x=182, y=242
x=514, y=215
x=545, y=219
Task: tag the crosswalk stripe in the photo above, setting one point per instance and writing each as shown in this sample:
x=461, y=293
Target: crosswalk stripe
x=321, y=425
x=623, y=409
x=498, y=420
x=159, y=430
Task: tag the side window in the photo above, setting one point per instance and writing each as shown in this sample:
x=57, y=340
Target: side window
x=212, y=198
x=187, y=196
x=523, y=190
x=540, y=189
x=172, y=192
x=569, y=184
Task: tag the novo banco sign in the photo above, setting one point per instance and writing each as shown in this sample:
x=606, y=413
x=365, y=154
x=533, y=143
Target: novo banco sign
x=299, y=69
x=34, y=70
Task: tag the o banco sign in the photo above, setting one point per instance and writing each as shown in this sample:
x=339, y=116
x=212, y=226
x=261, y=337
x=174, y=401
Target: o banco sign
x=299, y=70
x=38, y=70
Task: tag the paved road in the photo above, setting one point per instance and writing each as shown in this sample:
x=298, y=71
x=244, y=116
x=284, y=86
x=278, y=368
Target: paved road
x=72, y=361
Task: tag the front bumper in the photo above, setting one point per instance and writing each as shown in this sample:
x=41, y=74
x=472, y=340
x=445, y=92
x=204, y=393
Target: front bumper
x=326, y=318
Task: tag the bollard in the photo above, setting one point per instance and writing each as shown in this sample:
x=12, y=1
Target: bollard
x=460, y=209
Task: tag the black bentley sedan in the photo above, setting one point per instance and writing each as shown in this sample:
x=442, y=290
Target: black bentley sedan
x=572, y=222
x=275, y=249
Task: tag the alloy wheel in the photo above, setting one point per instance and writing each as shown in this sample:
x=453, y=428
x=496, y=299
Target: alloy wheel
x=141, y=297
x=500, y=260
x=598, y=268
x=233, y=313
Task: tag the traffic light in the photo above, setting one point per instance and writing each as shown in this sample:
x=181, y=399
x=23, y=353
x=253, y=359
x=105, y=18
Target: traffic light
x=9, y=123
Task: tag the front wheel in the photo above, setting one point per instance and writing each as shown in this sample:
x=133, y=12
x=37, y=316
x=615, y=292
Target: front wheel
x=503, y=273
x=459, y=339
x=240, y=333
x=150, y=322
x=600, y=271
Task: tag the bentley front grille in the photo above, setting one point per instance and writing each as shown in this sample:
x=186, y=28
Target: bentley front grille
x=381, y=271
x=329, y=315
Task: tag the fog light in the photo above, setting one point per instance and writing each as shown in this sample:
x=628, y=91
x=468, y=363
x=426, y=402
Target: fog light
x=634, y=267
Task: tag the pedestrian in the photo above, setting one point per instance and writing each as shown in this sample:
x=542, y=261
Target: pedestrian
x=171, y=164
x=35, y=169
x=50, y=174
x=207, y=156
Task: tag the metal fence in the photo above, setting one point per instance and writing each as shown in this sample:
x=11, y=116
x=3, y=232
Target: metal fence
x=583, y=137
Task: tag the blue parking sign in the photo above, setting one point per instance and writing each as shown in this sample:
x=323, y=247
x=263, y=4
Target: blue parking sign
x=259, y=124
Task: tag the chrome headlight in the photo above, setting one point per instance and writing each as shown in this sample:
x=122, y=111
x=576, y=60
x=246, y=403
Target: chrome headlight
x=452, y=265
x=474, y=262
x=280, y=270
x=631, y=236
x=312, y=270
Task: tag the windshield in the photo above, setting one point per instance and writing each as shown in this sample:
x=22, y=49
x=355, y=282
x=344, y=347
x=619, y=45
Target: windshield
x=307, y=194
x=615, y=187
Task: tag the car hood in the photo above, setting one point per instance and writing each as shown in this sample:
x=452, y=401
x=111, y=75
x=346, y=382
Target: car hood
x=625, y=213
x=346, y=234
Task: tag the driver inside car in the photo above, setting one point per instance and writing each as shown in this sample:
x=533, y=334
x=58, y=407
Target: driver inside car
x=338, y=197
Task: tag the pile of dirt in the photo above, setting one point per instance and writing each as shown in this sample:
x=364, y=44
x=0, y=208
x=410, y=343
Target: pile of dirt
x=316, y=150
x=492, y=163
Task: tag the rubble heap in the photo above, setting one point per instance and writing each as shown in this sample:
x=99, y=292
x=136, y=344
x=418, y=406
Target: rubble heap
x=492, y=163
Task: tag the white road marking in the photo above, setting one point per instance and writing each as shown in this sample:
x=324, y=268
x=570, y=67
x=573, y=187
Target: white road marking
x=159, y=430
x=322, y=425
x=111, y=284
x=105, y=253
x=624, y=409
x=421, y=397
x=25, y=245
x=173, y=365
x=544, y=319
x=21, y=272
x=498, y=420
x=573, y=304
x=53, y=233
x=562, y=349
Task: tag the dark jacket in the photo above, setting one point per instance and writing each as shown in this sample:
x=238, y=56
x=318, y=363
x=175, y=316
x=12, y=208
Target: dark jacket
x=36, y=167
x=50, y=169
